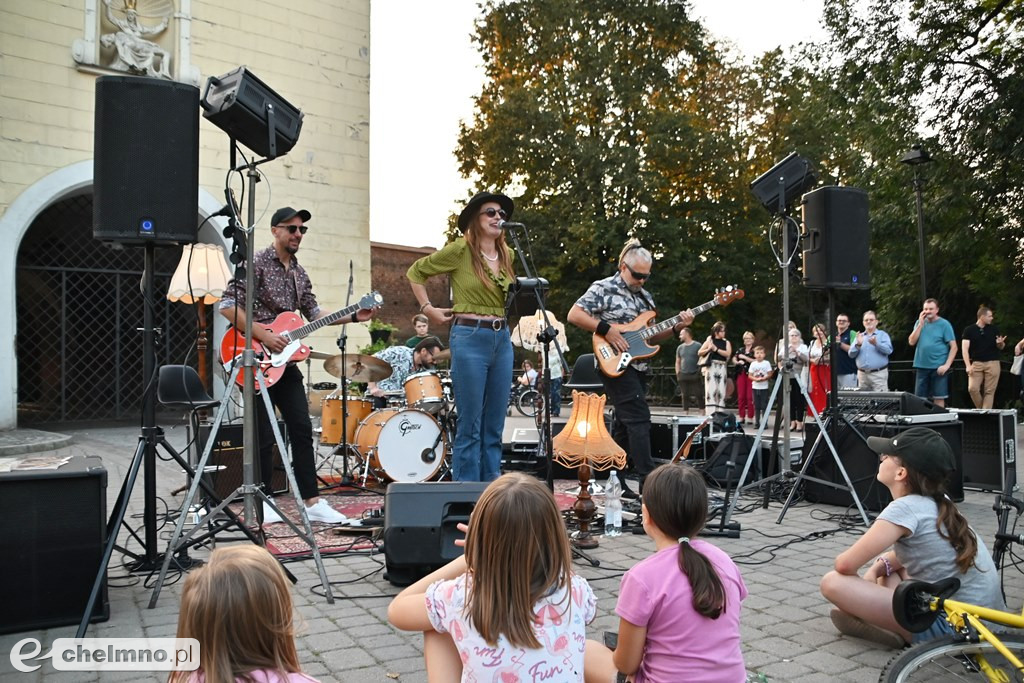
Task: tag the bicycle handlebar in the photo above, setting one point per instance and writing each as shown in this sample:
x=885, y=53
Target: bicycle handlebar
x=1013, y=502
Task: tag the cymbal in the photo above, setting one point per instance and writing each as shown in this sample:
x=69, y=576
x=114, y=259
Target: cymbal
x=359, y=367
x=444, y=354
x=320, y=355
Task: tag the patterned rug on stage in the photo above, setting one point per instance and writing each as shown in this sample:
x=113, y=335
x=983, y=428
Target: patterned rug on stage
x=357, y=505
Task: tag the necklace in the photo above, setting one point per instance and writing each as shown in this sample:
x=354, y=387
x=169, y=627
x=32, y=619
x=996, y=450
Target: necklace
x=492, y=260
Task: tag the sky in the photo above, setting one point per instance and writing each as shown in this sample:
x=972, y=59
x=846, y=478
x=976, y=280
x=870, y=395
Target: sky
x=424, y=73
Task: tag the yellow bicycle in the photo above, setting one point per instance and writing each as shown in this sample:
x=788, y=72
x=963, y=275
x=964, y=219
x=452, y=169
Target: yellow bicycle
x=972, y=653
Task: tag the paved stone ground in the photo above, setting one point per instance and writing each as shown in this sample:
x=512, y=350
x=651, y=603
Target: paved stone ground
x=787, y=634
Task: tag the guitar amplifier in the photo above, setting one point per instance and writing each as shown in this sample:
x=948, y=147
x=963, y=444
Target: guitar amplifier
x=669, y=432
x=990, y=448
x=227, y=454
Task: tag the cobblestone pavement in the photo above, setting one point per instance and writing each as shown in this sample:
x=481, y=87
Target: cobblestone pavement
x=787, y=634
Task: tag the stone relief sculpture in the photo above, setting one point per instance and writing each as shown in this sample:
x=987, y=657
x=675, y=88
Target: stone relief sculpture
x=133, y=52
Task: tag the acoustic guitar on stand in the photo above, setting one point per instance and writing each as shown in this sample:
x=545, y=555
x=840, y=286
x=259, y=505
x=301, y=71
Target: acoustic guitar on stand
x=289, y=325
x=613, y=363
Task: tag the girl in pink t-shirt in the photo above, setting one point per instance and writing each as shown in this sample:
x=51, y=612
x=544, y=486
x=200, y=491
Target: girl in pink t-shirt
x=239, y=608
x=510, y=608
x=674, y=628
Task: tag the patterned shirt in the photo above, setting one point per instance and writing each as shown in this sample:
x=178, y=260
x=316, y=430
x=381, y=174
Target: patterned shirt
x=612, y=301
x=400, y=359
x=279, y=290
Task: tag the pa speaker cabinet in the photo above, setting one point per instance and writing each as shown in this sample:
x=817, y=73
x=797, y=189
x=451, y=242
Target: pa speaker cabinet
x=837, y=237
x=145, y=161
x=55, y=527
x=420, y=526
x=990, y=448
x=861, y=464
x=227, y=454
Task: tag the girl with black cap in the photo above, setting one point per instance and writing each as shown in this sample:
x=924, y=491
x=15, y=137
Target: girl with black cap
x=930, y=540
x=479, y=266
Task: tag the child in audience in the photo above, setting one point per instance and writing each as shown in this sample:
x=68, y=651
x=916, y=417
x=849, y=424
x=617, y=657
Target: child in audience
x=239, y=608
x=920, y=534
x=760, y=372
x=676, y=628
x=511, y=605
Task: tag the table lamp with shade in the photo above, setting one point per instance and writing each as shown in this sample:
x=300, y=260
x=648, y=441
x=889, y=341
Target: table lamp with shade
x=585, y=443
x=200, y=278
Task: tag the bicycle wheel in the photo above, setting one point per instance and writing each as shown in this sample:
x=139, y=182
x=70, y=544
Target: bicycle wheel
x=526, y=404
x=949, y=658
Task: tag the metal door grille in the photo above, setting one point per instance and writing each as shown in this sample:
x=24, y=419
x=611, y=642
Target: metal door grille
x=79, y=307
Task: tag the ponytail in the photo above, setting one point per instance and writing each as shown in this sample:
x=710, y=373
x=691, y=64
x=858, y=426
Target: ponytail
x=953, y=527
x=705, y=586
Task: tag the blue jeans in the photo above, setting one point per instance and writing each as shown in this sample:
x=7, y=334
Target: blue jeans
x=481, y=374
x=556, y=396
x=930, y=384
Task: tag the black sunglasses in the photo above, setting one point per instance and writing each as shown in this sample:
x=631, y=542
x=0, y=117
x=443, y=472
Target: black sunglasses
x=492, y=212
x=292, y=228
x=638, y=276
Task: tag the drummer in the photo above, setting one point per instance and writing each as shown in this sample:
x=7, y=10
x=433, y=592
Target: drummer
x=404, y=362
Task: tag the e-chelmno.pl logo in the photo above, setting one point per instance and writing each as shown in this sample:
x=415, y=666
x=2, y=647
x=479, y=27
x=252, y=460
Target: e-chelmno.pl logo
x=108, y=654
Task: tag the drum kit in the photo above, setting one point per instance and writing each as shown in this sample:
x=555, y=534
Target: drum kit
x=409, y=440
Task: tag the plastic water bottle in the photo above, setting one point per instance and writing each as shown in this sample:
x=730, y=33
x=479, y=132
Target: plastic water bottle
x=613, y=506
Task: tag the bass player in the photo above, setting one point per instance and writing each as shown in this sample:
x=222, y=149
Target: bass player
x=282, y=285
x=609, y=303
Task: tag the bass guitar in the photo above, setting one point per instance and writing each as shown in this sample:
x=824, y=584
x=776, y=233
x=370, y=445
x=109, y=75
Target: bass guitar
x=289, y=325
x=636, y=333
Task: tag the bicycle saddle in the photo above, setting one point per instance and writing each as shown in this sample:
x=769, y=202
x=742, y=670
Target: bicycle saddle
x=911, y=602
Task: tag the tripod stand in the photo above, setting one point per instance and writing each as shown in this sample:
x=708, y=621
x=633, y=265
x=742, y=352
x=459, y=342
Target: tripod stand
x=248, y=489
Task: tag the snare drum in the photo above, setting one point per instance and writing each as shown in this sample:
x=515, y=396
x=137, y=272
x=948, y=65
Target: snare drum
x=330, y=423
x=423, y=391
x=400, y=444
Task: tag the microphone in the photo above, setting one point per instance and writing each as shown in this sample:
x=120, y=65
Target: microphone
x=508, y=225
x=428, y=455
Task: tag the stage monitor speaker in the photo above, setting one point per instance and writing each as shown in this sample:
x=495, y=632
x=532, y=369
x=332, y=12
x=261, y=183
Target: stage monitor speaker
x=990, y=448
x=837, y=237
x=145, y=161
x=861, y=463
x=420, y=526
x=55, y=528
x=228, y=453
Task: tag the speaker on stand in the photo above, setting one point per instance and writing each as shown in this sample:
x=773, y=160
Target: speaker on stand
x=837, y=238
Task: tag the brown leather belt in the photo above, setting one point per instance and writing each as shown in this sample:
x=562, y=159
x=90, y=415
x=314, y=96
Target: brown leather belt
x=495, y=324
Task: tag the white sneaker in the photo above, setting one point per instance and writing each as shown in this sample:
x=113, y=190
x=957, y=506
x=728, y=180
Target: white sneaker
x=323, y=512
x=270, y=515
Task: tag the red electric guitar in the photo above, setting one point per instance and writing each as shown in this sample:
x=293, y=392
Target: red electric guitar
x=614, y=363
x=288, y=325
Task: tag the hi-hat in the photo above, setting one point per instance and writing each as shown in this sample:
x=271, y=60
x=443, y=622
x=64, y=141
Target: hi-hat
x=358, y=367
x=320, y=355
x=443, y=354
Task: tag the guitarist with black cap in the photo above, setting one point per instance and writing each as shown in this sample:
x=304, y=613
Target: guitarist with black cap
x=282, y=285
x=606, y=305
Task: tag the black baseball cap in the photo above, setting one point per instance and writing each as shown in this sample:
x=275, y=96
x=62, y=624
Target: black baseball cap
x=919, y=448
x=287, y=213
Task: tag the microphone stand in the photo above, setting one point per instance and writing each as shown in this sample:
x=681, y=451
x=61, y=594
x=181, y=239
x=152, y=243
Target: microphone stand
x=547, y=335
x=346, y=476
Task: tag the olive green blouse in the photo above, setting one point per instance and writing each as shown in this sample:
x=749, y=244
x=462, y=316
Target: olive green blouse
x=470, y=295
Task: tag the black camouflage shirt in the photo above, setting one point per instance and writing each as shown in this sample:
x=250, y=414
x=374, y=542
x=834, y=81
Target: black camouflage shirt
x=610, y=300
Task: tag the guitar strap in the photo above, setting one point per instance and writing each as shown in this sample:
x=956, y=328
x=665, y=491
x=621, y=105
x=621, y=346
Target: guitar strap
x=647, y=301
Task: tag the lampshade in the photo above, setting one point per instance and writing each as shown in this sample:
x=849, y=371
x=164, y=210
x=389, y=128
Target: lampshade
x=584, y=439
x=203, y=278
x=525, y=333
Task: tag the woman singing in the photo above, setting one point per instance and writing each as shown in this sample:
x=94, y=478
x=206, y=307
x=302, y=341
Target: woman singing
x=480, y=268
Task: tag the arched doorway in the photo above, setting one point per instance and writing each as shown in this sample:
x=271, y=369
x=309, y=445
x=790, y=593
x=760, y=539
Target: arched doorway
x=79, y=307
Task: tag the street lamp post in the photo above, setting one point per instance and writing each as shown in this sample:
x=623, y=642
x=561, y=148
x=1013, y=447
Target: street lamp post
x=915, y=157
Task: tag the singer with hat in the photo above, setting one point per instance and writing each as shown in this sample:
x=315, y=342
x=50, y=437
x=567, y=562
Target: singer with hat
x=479, y=265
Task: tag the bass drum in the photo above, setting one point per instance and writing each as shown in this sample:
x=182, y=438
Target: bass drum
x=400, y=444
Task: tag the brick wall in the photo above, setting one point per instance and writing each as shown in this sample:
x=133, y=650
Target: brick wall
x=390, y=263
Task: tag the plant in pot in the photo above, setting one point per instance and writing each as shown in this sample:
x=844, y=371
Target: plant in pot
x=380, y=331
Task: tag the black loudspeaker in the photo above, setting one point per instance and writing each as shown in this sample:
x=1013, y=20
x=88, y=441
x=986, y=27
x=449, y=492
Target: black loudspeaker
x=837, y=238
x=145, y=161
x=55, y=527
x=861, y=463
x=228, y=452
x=990, y=448
x=420, y=526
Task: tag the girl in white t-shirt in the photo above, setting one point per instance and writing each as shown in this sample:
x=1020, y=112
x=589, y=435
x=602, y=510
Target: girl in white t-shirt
x=510, y=605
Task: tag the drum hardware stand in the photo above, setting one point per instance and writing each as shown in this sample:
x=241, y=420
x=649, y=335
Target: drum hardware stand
x=248, y=489
x=514, y=304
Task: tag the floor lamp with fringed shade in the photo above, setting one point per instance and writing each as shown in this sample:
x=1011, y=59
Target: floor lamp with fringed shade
x=585, y=443
x=200, y=278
